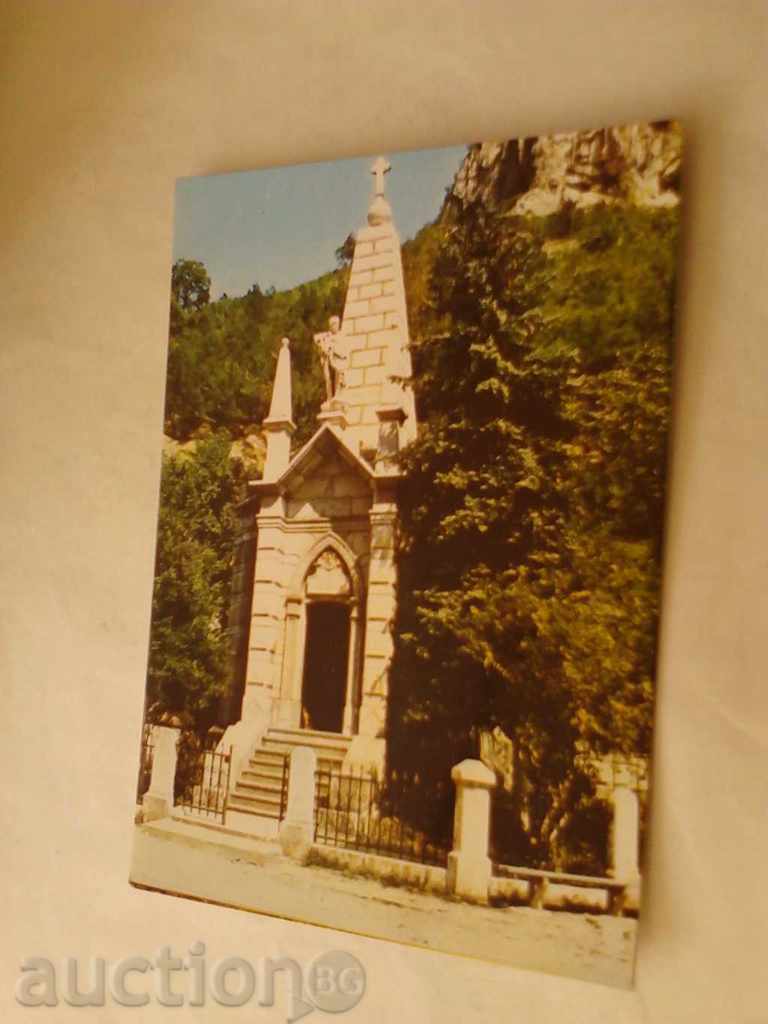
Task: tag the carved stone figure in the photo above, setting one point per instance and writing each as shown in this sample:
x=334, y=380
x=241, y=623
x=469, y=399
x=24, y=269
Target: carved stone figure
x=333, y=357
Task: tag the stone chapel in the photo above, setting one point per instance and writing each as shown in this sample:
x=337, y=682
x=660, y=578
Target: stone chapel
x=316, y=584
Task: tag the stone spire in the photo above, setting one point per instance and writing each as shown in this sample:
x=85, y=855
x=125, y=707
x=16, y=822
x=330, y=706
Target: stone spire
x=279, y=425
x=379, y=408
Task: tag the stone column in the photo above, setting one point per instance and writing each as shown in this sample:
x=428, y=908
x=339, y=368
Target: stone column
x=272, y=571
x=469, y=866
x=289, y=697
x=279, y=426
x=158, y=800
x=380, y=611
x=352, y=663
x=625, y=832
x=297, y=830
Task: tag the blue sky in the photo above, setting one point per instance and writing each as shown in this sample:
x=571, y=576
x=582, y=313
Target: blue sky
x=281, y=226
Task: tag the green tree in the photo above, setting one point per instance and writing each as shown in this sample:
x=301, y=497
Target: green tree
x=193, y=569
x=190, y=284
x=345, y=251
x=531, y=509
x=221, y=358
x=190, y=290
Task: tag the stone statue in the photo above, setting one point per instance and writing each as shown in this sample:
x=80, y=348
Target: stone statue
x=333, y=357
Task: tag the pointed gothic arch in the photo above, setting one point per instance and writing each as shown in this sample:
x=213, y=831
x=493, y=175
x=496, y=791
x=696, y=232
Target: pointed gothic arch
x=324, y=622
x=333, y=543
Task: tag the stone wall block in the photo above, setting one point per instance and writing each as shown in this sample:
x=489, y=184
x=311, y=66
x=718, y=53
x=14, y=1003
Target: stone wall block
x=375, y=262
x=368, y=357
x=370, y=291
x=360, y=277
x=352, y=310
x=365, y=324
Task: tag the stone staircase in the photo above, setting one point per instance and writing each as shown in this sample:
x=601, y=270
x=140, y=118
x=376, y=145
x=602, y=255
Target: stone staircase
x=257, y=792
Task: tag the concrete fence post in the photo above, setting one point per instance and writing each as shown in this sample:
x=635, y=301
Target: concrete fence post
x=297, y=830
x=158, y=800
x=625, y=828
x=469, y=866
x=625, y=833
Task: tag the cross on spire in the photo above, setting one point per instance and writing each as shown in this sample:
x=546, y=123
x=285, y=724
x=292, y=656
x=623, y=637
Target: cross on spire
x=381, y=166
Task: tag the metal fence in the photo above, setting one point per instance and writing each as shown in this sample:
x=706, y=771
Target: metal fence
x=394, y=816
x=205, y=788
x=145, y=762
x=284, y=777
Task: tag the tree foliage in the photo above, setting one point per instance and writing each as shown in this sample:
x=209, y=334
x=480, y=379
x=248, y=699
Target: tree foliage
x=193, y=570
x=220, y=370
x=221, y=358
x=531, y=505
x=531, y=511
x=190, y=289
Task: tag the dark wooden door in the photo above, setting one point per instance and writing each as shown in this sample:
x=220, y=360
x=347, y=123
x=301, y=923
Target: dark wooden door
x=325, y=666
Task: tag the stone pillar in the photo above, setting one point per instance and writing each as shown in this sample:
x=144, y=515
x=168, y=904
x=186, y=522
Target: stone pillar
x=272, y=571
x=354, y=658
x=158, y=800
x=367, y=749
x=380, y=611
x=279, y=426
x=297, y=830
x=469, y=866
x=288, y=714
x=625, y=832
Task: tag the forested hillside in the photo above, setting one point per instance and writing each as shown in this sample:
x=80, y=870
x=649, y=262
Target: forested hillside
x=221, y=355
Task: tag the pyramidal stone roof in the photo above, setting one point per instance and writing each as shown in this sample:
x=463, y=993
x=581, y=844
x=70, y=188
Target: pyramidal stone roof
x=374, y=330
x=372, y=413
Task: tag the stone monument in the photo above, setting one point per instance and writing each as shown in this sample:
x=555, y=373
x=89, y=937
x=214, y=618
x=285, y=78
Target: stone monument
x=320, y=597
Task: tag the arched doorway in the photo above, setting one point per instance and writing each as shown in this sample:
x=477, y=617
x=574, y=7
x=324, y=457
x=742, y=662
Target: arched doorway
x=326, y=658
x=328, y=661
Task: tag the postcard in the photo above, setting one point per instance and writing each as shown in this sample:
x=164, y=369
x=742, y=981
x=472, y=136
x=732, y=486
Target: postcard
x=407, y=584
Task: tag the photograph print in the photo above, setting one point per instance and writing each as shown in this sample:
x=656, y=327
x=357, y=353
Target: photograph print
x=407, y=584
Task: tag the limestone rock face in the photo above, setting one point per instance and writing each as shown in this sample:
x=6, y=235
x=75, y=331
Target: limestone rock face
x=637, y=163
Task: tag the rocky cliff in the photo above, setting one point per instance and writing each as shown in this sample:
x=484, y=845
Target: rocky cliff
x=638, y=163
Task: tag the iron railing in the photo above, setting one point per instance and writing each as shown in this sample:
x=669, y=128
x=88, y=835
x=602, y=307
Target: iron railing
x=205, y=790
x=145, y=762
x=284, y=787
x=361, y=811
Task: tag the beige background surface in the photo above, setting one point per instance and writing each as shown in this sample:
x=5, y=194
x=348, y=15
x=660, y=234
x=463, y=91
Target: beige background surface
x=102, y=105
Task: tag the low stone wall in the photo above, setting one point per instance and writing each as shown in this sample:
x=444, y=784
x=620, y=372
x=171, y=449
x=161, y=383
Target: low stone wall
x=558, y=896
x=561, y=891
x=595, y=897
x=427, y=877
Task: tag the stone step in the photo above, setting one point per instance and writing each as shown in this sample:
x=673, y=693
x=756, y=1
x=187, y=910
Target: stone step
x=258, y=790
x=251, y=785
x=246, y=794
x=266, y=756
x=283, y=739
x=333, y=754
x=266, y=775
x=256, y=804
x=259, y=808
x=303, y=733
x=268, y=765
